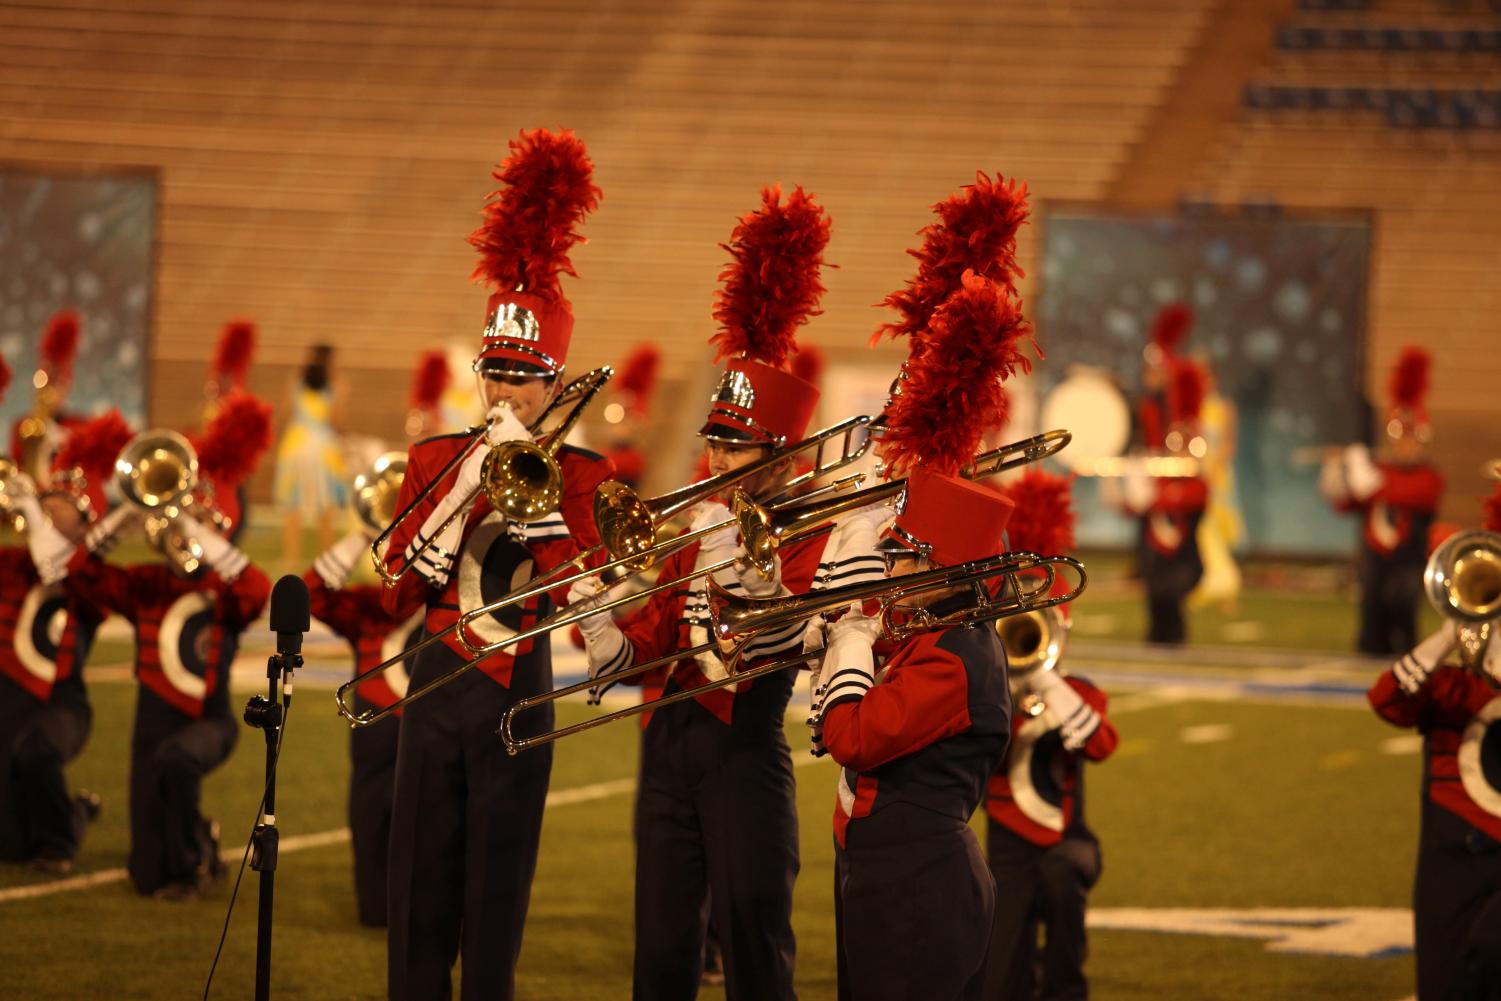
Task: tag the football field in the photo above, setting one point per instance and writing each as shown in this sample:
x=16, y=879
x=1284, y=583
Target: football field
x=1258, y=825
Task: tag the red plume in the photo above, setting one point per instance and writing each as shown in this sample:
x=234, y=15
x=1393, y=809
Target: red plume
x=1409, y=379
x=1491, y=521
x=1171, y=326
x=233, y=354
x=808, y=364
x=59, y=345
x=638, y=376
x=953, y=391
x=1185, y=391
x=771, y=285
x=232, y=444
x=976, y=231
x=430, y=381
x=4, y=378
x=530, y=221
x=93, y=445
x=1043, y=521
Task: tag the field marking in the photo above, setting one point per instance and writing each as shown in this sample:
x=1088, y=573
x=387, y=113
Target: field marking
x=1364, y=932
x=1407, y=743
x=1206, y=733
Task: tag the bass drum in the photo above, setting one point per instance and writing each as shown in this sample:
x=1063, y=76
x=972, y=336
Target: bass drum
x=1090, y=404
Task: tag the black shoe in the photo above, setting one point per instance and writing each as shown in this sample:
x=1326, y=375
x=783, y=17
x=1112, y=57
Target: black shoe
x=212, y=868
x=52, y=866
x=89, y=804
x=177, y=893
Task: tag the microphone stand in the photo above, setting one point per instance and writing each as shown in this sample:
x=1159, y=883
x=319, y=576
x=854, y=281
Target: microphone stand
x=269, y=715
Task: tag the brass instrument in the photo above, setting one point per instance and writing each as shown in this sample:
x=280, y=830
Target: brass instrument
x=736, y=621
x=376, y=489
x=157, y=471
x=1463, y=583
x=14, y=484
x=763, y=529
x=520, y=479
x=34, y=427
x=1033, y=642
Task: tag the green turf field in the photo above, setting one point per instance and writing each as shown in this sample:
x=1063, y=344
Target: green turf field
x=1210, y=802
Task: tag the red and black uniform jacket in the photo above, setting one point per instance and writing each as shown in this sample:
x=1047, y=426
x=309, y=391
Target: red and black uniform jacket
x=496, y=556
x=187, y=630
x=1169, y=521
x=664, y=623
x=1399, y=515
x=929, y=733
x=1038, y=792
x=46, y=630
x=358, y=615
x=1456, y=711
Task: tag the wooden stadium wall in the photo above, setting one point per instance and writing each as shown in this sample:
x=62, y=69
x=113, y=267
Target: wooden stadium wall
x=322, y=162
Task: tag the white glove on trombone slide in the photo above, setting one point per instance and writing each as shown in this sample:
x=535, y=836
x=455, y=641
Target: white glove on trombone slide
x=1063, y=709
x=219, y=553
x=50, y=549
x=333, y=567
x=605, y=644
x=849, y=666
x=717, y=546
x=443, y=531
x=1413, y=668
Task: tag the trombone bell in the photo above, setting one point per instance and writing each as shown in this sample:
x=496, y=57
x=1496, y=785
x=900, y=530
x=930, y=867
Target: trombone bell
x=521, y=481
x=627, y=525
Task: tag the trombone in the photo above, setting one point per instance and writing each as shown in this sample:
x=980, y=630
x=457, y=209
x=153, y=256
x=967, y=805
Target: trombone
x=763, y=529
x=737, y=620
x=520, y=479
x=628, y=526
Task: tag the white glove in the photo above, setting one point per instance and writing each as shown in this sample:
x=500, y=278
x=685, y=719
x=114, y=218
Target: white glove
x=1413, y=668
x=712, y=513
x=750, y=578
x=1063, y=708
x=50, y=549
x=102, y=534
x=1361, y=474
x=587, y=593
x=333, y=566
x=605, y=644
x=1332, y=483
x=709, y=662
x=1136, y=486
x=849, y=666
x=219, y=553
x=504, y=425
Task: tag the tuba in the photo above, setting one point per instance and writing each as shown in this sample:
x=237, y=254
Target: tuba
x=157, y=471
x=1463, y=583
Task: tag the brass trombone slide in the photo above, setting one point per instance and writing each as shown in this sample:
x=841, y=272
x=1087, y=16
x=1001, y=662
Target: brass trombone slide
x=521, y=479
x=736, y=621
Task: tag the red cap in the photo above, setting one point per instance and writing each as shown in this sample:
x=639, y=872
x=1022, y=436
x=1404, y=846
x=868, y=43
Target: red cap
x=1408, y=388
x=525, y=334
x=759, y=404
x=950, y=519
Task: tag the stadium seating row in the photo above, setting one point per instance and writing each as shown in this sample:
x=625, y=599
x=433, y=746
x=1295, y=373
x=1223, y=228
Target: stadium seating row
x=1404, y=108
x=1390, y=39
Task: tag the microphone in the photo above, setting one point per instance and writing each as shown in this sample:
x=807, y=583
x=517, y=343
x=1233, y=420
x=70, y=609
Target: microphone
x=290, y=615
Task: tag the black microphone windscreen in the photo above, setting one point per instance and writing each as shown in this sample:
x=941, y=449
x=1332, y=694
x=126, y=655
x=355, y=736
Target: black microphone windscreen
x=290, y=605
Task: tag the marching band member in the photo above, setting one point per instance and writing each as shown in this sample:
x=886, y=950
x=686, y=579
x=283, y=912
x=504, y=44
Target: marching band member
x=430, y=380
x=626, y=420
x=356, y=613
x=467, y=816
x=918, y=745
x=1041, y=852
x=1397, y=498
x=716, y=814
x=233, y=355
x=1169, y=508
x=1457, y=891
x=36, y=437
x=46, y=633
x=187, y=621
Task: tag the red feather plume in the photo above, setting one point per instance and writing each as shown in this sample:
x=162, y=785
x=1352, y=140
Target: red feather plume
x=530, y=222
x=1491, y=521
x=808, y=364
x=233, y=442
x=93, y=446
x=638, y=375
x=953, y=393
x=1171, y=326
x=1409, y=379
x=430, y=381
x=60, y=345
x=1186, y=390
x=232, y=355
x=1043, y=521
x=976, y=231
x=771, y=284
x=4, y=378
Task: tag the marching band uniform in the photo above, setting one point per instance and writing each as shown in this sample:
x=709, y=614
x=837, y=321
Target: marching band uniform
x=467, y=816
x=357, y=614
x=1397, y=499
x=46, y=633
x=914, y=898
x=716, y=811
x=1043, y=855
x=1457, y=890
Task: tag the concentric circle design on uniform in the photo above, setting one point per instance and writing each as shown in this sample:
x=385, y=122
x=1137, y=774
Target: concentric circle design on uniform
x=1480, y=758
x=184, y=643
x=398, y=675
x=491, y=566
x=39, y=630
